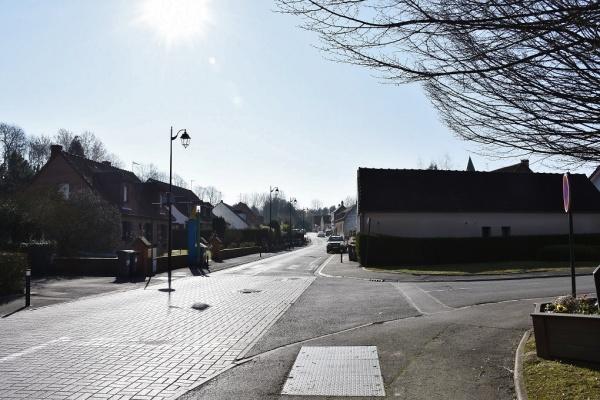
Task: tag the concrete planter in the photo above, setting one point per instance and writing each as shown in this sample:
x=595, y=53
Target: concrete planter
x=566, y=336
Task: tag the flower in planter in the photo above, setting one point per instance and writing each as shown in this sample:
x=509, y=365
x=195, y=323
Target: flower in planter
x=574, y=305
x=560, y=308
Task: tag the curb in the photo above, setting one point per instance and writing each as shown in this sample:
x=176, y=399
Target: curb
x=518, y=372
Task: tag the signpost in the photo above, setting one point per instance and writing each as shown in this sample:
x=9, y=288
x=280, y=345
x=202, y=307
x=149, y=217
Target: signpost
x=567, y=204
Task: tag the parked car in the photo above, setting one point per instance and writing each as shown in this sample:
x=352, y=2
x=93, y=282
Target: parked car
x=336, y=243
x=321, y=234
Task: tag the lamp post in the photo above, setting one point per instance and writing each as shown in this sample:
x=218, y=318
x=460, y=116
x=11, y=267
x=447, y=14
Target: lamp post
x=292, y=200
x=185, y=141
x=271, y=190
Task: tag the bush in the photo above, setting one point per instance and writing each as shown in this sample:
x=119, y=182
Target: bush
x=40, y=256
x=12, y=273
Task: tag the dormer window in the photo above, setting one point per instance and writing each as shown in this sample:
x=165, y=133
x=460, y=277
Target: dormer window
x=125, y=193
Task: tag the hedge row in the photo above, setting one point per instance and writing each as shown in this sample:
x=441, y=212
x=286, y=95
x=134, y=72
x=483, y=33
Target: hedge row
x=395, y=251
x=12, y=273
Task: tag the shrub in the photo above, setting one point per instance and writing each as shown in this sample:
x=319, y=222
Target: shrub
x=12, y=273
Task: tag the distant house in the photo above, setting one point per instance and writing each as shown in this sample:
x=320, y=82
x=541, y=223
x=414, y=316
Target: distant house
x=142, y=204
x=248, y=215
x=322, y=222
x=234, y=219
x=345, y=221
x=436, y=203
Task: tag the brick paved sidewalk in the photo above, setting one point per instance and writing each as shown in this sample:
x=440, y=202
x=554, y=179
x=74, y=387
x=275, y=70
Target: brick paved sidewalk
x=144, y=343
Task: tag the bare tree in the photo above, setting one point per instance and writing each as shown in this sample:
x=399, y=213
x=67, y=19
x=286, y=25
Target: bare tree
x=316, y=204
x=255, y=199
x=151, y=171
x=12, y=139
x=179, y=181
x=210, y=194
x=39, y=151
x=514, y=77
x=349, y=201
x=93, y=148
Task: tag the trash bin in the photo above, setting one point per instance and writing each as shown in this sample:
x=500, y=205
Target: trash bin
x=133, y=261
x=123, y=263
x=351, y=254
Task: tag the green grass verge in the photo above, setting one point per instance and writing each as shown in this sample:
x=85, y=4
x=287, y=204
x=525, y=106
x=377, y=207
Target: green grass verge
x=512, y=267
x=548, y=379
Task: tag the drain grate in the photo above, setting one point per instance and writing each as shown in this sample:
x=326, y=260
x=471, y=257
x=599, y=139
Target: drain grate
x=336, y=371
x=200, y=306
x=250, y=291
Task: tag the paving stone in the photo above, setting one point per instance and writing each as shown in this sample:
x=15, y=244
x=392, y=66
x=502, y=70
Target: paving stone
x=140, y=342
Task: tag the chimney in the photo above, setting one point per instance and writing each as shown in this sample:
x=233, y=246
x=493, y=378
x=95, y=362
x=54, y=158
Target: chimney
x=55, y=149
x=525, y=163
x=107, y=163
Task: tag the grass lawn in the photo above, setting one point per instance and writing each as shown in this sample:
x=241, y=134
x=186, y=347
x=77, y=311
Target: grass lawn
x=510, y=267
x=547, y=379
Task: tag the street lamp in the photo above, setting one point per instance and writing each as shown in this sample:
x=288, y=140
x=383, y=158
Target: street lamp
x=271, y=190
x=185, y=141
x=292, y=200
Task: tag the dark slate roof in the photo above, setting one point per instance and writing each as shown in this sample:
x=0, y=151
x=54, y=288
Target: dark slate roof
x=398, y=190
x=521, y=167
x=180, y=194
x=94, y=171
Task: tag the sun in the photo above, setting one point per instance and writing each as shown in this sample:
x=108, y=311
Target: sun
x=175, y=22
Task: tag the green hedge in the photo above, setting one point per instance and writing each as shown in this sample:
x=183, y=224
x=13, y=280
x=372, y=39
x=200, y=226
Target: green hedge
x=40, y=256
x=12, y=273
x=395, y=251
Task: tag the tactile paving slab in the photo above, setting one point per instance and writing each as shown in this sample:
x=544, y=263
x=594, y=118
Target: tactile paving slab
x=335, y=371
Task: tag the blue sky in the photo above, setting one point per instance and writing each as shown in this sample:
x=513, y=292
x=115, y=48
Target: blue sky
x=261, y=103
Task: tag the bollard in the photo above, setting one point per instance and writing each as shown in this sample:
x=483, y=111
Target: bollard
x=596, y=274
x=341, y=255
x=28, y=287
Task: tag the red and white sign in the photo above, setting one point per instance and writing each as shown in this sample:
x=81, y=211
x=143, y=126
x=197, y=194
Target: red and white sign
x=566, y=193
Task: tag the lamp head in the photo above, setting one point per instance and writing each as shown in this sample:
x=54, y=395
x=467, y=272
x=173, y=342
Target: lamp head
x=185, y=139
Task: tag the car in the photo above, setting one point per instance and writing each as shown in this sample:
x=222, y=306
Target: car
x=321, y=234
x=336, y=243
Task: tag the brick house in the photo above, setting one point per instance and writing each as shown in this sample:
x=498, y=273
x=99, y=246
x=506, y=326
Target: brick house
x=141, y=204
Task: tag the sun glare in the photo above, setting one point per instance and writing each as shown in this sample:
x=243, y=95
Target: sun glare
x=175, y=22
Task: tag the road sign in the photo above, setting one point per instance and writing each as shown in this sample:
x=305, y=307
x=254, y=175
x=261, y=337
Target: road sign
x=566, y=193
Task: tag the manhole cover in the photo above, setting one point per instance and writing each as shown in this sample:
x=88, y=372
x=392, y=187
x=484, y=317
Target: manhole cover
x=249, y=291
x=200, y=306
x=336, y=371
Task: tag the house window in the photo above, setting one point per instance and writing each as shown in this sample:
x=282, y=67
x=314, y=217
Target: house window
x=162, y=233
x=63, y=189
x=127, y=231
x=125, y=193
x=486, y=231
x=506, y=231
x=148, y=231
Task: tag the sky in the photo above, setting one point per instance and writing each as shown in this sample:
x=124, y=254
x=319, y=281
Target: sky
x=263, y=106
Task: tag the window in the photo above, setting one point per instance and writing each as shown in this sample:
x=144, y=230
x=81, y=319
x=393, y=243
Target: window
x=127, y=231
x=63, y=188
x=148, y=231
x=125, y=193
x=506, y=231
x=486, y=231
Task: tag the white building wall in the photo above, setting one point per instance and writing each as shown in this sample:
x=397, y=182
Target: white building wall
x=350, y=221
x=470, y=224
x=234, y=221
